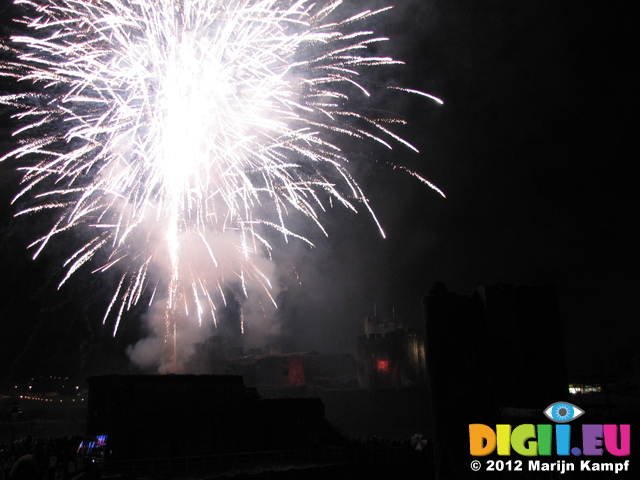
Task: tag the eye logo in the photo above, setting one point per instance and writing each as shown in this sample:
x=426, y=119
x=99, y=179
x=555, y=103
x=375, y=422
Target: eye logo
x=563, y=412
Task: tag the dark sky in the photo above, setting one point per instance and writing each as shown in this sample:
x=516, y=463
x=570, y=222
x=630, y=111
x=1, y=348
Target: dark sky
x=535, y=148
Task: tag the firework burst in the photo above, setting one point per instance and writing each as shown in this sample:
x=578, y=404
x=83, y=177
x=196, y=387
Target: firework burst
x=180, y=132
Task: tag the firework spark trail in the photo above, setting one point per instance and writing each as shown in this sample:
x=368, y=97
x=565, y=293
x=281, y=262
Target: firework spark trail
x=166, y=126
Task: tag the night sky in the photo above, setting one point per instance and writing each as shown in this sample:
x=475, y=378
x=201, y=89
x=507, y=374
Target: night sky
x=535, y=148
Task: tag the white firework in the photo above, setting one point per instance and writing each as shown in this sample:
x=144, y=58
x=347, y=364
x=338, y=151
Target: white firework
x=183, y=130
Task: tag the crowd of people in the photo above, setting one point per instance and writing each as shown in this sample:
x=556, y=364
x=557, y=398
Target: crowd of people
x=61, y=458
x=41, y=458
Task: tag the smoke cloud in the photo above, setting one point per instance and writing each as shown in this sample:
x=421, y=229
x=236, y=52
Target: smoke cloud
x=177, y=322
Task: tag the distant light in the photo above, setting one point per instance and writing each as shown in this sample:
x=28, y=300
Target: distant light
x=579, y=388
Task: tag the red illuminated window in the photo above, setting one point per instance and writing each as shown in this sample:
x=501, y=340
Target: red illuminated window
x=383, y=365
x=296, y=371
